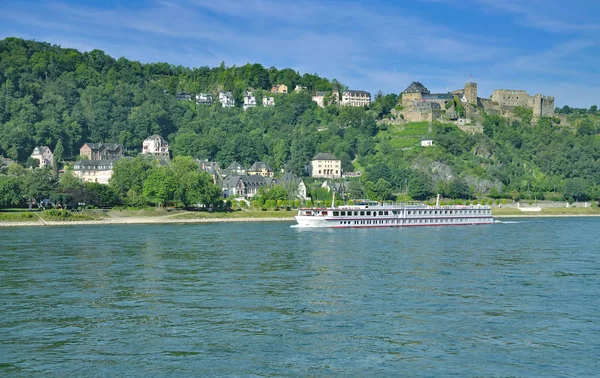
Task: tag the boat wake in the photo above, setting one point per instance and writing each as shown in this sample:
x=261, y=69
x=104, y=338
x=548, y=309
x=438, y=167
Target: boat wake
x=507, y=222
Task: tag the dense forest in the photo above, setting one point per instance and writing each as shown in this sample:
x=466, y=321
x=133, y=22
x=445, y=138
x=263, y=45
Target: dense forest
x=56, y=96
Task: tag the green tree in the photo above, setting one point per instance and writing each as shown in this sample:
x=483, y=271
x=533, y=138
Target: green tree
x=419, y=187
x=459, y=188
x=575, y=188
x=193, y=186
x=129, y=175
x=356, y=189
x=10, y=191
x=379, y=191
x=39, y=183
x=160, y=185
x=58, y=154
x=101, y=195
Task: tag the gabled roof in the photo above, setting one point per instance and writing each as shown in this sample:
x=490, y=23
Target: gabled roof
x=249, y=181
x=259, y=166
x=325, y=156
x=108, y=146
x=288, y=177
x=235, y=166
x=156, y=136
x=38, y=150
x=416, y=87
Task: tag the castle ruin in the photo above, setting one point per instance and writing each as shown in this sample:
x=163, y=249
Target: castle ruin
x=542, y=106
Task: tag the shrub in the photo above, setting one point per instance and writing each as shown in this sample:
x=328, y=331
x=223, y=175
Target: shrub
x=16, y=216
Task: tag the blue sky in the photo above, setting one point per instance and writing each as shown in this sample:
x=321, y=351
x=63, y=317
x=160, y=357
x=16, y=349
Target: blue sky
x=541, y=46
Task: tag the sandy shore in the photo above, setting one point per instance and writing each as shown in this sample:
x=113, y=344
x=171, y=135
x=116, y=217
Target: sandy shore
x=141, y=220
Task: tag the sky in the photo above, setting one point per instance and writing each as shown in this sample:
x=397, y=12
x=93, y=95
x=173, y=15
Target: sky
x=541, y=46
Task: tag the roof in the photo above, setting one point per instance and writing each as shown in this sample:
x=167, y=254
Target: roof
x=249, y=181
x=234, y=166
x=98, y=165
x=416, y=87
x=108, y=146
x=259, y=166
x=357, y=92
x=288, y=177
x=156, y=136
x=38, y=150
x=325, y=156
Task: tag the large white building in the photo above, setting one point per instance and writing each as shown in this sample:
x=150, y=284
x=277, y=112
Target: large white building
x=99, y=171
x=355, y=98
x=156, y=146
x=325, y=165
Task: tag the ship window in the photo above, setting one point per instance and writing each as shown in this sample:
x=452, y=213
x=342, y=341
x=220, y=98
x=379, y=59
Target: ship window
x=336, y=213
x=368, y=213
x=362, y=213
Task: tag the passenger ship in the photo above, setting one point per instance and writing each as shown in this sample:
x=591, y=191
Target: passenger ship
x=394, y=215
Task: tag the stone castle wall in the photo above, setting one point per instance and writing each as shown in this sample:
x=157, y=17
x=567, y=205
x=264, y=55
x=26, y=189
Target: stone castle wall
x=409, y=98
x=510, y=97
x=542, y=106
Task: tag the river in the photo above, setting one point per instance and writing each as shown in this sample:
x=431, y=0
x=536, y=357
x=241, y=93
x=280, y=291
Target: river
x=516, y=298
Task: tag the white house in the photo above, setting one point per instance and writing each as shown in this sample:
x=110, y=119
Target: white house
x=355, y=98
x=99, y=171
x=426, y=142
x=44, y=155
x=325, y=165
x=249, y=100
x=204, y=99
x=155, y=146
x=268, y=101
x=226, y=99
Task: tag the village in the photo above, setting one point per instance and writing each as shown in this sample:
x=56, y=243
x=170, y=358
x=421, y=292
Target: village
x=417, y=104
x=235, y=180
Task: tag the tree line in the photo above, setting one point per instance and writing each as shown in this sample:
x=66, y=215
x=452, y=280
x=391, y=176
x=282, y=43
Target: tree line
x=136, y=182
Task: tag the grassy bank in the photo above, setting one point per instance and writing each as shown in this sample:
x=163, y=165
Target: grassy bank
x=547, y=211
x=17, y=216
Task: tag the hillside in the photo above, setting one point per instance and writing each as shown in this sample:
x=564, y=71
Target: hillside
x=50, y=94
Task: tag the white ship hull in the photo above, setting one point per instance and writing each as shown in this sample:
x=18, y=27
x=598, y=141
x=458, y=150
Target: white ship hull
x=393, y=216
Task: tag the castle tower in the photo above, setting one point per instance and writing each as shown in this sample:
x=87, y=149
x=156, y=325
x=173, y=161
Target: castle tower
x=471, y=93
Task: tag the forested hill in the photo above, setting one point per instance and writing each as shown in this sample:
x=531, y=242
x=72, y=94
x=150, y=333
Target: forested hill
x=49, y=93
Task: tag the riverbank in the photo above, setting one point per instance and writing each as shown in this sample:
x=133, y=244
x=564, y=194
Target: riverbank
x=177, y=216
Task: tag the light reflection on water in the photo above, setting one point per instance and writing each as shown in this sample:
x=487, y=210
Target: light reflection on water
x=516, y=299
